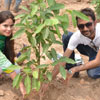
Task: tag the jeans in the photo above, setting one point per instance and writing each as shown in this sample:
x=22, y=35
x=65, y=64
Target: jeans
x=7, y=4
x=85, y=50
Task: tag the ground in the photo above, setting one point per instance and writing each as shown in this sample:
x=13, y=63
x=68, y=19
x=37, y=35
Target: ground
x=82, y=88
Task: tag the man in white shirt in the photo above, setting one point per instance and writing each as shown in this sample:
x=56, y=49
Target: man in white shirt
x=85, y=46
x=87, y=40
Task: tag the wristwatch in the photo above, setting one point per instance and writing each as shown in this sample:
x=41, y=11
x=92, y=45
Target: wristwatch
x=69, y=71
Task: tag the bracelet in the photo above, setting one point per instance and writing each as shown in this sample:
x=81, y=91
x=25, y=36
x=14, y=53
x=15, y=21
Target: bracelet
x=69, y=71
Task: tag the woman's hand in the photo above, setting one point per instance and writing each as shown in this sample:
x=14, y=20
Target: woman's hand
x=22, y=89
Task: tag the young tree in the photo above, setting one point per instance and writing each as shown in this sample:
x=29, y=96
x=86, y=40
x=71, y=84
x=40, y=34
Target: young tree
x=41, y=22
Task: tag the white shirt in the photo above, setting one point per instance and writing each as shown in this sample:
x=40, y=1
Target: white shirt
x=77, y=38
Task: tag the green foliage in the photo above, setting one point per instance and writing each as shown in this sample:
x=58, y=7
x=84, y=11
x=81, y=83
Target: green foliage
x=63, y=72
x=75, y=13
x=35, y=74
x=17, y=80
x=18, y=33
x=13, y=67
x=49, y=76
x=27, y=83
x=41, y=23
x=97, y=7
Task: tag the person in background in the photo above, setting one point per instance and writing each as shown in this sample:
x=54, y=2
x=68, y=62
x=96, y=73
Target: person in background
x=7, y=53
x=7, y=4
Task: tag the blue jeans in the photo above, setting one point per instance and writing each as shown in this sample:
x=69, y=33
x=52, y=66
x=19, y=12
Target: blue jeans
x=85, y=50
x=7, y=4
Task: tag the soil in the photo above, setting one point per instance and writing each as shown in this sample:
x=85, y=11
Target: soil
x=82, y=88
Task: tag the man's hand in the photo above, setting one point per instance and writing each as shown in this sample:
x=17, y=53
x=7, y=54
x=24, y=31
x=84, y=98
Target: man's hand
x=70, y=73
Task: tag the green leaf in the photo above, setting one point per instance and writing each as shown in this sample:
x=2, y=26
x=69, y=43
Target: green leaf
x=64, y=21
x=17, y=80
x=14, y=67
x=67, y=60
x=73, y=19
x=34, y=10
x=35, y=74
x=81, y=15
x=57, y=6
x=36, y=84
x=44, y=58
x=20, y=15
x=43, y=5
x=51, y=2
x=49, y=55
x=39, y=28
x=54, y=54
x=52, y=36
x=27, y=70
x=27, y=83
x=29, y=63
x=42, y=66
x=45, y=48
x=19, y=25
x=58, y=42
x=48, y=14
x=45, y=33
x=24, y=8
x=24, y=48
x=55, y=63
x=28, y=54
x=63, y=72
x=65, y=25
x=31, y=39
x=18, y=33
x=63, y=18
x=25, y=18
x=94, y=2
x=22, y=57
x=58, y=31
x=66, y=32
x=51, y=22
x=49, y=76
x=56, y=12
x=39, y=1
x=69, y=11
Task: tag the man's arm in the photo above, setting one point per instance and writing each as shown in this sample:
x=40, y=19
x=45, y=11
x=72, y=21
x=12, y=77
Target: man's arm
x=91, y=64
x=67, y=53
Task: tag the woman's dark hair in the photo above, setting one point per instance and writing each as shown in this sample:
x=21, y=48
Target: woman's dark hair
x=88, y=12
x=4, y=15
x=9, y=47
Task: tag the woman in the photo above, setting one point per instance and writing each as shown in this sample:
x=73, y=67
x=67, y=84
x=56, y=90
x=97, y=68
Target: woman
x=6, y=45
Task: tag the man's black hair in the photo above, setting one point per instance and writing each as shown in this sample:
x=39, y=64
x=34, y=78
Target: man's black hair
x=88, y=12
